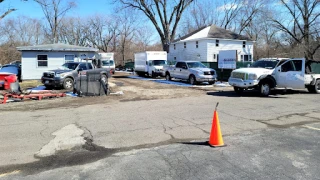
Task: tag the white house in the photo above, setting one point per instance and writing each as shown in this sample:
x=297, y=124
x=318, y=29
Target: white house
x=205, y=43
x=37, y=59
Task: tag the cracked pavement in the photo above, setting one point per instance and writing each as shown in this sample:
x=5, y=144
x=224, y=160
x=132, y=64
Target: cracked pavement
x=124, y=126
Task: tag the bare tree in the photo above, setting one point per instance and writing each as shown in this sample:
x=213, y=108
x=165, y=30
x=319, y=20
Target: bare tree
x=164, y=15
x=103, y=32
x=6, y=12
x=54, y=11
x=127, y=33
x=303, y=28
x=74, y=31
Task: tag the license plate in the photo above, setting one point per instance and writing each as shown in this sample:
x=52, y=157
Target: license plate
x=46, y=82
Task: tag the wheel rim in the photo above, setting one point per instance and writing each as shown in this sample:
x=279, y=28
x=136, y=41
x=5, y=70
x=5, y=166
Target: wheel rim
x=68, y=84
x=318, y=86
x=191, y=80
x=265, y=89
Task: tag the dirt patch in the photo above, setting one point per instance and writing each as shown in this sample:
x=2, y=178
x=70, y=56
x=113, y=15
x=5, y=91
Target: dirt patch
x=133, y=90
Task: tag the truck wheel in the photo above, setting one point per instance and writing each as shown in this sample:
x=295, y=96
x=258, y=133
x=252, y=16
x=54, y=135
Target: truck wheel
x=238, y=90
x=68, y=84
x=265, y=88
x=153, y=75
x=192, y=80
x=317, y=87
x=168, y=77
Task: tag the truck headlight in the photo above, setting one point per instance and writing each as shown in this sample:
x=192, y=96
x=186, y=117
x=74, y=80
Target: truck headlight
x=62, y=75
x=252, y=77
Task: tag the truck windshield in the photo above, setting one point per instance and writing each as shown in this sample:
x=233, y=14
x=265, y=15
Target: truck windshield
x=107, y=62
x=71, y=66
x=268, y=64
x=159, y=62
x=196, y=65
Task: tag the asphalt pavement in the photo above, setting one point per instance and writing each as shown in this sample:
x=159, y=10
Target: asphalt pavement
x=267, y=138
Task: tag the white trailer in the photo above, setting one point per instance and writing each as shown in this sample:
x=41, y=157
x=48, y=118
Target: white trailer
x=150, y=63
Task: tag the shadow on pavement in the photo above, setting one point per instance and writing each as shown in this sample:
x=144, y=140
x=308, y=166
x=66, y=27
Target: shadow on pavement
x=243, y=94
x=205, y=143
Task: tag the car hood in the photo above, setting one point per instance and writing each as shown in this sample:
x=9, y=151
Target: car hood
x=60, y=71
x=202, y=69
x=254, y=70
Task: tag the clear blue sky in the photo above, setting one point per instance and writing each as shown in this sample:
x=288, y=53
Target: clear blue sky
x=32, y=9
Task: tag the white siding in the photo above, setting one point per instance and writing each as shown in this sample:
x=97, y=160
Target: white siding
x=190, y=53
x=228, y=45
x=29, y=64
x=206, y=50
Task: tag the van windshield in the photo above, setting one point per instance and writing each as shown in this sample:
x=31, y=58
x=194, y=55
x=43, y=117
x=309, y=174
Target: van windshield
x=268, y=64
x=107, y=62
x=159, y=62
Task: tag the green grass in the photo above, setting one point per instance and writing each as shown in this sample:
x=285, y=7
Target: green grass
x=30, y=84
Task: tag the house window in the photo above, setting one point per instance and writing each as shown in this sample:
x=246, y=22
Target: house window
x=175, y=58
x=243, y=44
x=69, y=58
x=217, y=43
x=197, y=44
x=185, y=45
x=42, y=60
x=174, y=46
x=246, y=58
x=214, y=56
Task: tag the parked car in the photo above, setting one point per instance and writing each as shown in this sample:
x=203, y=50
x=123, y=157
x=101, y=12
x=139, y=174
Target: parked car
x=13, y=69
x=193, y=71
x=66, y=75
x=8, y=74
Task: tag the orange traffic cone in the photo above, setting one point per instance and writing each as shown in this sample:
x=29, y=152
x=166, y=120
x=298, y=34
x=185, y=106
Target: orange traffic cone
x=215, y=135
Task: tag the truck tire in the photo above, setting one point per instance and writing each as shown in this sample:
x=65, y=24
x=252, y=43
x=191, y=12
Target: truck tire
x=168, y=77
x=68, y=84
x=192, y=79
x=265, y=88
x=153, y=75
x=317, y=86
x=238, y=90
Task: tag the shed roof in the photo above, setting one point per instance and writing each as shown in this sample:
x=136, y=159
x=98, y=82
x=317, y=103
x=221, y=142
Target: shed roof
x=57, y=47
x=213, y=32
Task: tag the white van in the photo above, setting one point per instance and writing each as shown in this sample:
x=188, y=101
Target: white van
x=150, y=63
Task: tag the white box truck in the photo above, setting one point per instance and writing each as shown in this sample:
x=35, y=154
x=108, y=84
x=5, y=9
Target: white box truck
x=107, y=60
x=150, y=63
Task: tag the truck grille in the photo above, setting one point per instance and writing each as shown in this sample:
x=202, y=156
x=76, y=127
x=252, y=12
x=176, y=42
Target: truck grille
x=238, y=75
x=49, y=75
x=208, y=73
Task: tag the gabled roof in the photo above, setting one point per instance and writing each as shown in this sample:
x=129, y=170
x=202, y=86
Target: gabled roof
x=57, y=47
x=213, y=32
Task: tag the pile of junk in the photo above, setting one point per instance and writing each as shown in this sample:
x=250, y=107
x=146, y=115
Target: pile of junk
x=88, y=83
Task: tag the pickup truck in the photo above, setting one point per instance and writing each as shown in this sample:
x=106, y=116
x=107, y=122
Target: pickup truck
x=268, y=74
x=66, y=75
x=193, y=71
